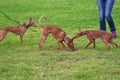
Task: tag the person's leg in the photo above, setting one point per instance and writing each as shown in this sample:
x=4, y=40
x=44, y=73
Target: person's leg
x=101, y=6
x=108, y=10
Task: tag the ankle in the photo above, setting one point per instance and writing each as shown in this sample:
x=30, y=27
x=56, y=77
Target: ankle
x=114, y=34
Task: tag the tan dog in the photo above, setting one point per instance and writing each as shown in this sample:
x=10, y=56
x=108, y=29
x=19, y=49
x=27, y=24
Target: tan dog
x=94, y=34
x=18, y=30
x=59, y=34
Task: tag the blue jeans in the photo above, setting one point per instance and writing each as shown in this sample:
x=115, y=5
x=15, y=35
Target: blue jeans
x=105, y=9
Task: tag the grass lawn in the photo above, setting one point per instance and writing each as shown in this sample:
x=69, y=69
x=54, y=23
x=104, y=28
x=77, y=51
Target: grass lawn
x=26, y=62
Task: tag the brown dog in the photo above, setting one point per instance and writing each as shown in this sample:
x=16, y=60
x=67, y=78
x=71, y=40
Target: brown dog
x=94, y=34
x=59, y=34
x=18, y=30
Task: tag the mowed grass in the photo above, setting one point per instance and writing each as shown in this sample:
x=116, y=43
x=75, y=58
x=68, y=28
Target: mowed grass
x=26, y=62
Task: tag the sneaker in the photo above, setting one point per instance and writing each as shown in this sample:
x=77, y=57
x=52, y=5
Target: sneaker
x=114, y=34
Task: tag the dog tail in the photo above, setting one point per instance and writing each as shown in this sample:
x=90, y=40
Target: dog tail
x=40, y=19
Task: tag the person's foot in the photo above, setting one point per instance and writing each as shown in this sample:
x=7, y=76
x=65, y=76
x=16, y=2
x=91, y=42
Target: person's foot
x=114, y=34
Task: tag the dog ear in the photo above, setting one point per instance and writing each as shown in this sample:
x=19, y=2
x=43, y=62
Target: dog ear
x=66, y=39
x=30, y=19
x=79, y=29
x=69, y=40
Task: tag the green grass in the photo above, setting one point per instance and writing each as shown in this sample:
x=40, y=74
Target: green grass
x=28, y=63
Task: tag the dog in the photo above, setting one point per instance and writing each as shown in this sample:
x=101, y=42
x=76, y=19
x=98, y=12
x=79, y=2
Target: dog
x=59, y=34
x=92, y=35
x=18, y=30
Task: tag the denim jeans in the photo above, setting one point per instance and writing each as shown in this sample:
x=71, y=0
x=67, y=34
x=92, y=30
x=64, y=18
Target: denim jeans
x=105, y=9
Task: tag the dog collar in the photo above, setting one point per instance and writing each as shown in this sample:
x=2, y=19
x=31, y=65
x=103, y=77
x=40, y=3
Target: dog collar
x=25, y=25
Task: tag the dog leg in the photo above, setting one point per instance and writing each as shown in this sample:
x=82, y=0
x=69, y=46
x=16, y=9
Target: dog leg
x=2, y=34
x=21, y=39
x=107, y=43
x=90, y=41
x=61, y=45
x=1, y=37
x=43, y=38
x=88, y=45
x=94, y=43
x=111, y=42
